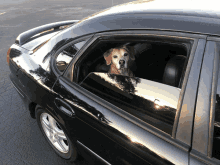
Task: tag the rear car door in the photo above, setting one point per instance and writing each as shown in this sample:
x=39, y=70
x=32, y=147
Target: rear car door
x=108, y=121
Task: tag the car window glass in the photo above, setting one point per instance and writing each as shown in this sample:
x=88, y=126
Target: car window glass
x=79, y=45
x=65, y=56
x=141, y=78
x=216, y=140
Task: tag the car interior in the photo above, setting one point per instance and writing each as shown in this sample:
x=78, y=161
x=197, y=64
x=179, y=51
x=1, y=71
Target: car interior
x=157, y=61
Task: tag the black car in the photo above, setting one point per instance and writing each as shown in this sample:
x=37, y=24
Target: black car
x=167, y=112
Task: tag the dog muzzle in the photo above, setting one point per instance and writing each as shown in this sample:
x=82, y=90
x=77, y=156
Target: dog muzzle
x=122, y=64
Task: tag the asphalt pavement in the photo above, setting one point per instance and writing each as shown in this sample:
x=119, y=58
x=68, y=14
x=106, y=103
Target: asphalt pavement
x=21, y=142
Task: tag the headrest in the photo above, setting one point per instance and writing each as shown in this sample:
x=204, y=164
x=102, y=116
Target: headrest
x=173, y=70
x=102, y=68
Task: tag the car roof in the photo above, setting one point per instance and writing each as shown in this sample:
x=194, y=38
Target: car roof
x=194, y=16
x=198, y=8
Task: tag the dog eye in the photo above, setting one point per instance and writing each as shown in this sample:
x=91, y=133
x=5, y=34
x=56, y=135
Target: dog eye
x=125, y=54
x=115, y=56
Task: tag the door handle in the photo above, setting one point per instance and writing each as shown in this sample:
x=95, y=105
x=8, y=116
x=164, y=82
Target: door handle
x=64, y=107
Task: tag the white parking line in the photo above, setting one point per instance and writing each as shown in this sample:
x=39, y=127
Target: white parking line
x=2, y=13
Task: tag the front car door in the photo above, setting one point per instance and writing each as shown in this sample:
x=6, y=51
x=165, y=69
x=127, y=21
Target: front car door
x=123, y=120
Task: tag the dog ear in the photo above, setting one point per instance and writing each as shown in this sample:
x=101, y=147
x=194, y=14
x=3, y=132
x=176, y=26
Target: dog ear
x=107, y=56
x=130, y=50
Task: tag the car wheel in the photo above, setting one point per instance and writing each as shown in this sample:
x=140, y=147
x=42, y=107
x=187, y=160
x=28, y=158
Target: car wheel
x=55, y=135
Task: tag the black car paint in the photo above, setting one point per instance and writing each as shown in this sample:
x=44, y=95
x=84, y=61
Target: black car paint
x=125, y=97
x=190, y=94
x=41, y=87
x=101, y=132
x=42, y=90
x=113, y=22
x=141, y=123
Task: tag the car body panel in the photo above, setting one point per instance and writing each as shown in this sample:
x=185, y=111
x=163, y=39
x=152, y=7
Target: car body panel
x=31, y=45
x=117, y=128
x=31, y=74
x=144, y=97
x=111, y=21
x=99, y=126
x=33, y=71
x=214, y=95
x=16, y=83
x=167, y=35
x=41, y=82
x=194, y=60
x=185, y=124
x=173, y=23
x=66, y=88
x=148, y=21
x=187, y=7
x=198, y=158
x=202, y=113
x=150, y=15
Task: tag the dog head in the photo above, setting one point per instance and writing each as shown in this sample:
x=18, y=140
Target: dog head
x=119, y=57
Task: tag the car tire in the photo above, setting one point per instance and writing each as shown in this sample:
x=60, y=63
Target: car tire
x=55, y=135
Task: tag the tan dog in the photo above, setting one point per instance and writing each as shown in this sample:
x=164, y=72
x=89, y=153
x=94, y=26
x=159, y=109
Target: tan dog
x=119, y=59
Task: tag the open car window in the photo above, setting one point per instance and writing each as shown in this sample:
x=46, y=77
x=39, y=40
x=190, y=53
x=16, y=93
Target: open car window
x=150, y=59
x=150, y=79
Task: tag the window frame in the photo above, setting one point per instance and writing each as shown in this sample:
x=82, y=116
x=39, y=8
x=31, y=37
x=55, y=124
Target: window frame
x=204, y=155
x=56, y=71
x=178, y=36
x=99, y=38
x=174, y=36
x=213, y=91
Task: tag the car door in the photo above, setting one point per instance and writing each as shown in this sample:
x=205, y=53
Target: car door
x=205, y=144
x=111, y=129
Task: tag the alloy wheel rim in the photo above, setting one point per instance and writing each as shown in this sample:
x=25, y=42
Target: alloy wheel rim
x=54, y=132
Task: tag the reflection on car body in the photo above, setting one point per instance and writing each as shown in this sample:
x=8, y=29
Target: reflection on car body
x=168, y=113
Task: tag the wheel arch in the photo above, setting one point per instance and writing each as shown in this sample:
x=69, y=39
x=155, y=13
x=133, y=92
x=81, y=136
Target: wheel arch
x=32, y=106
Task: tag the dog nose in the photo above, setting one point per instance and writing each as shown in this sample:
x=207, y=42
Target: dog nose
x=121, y=62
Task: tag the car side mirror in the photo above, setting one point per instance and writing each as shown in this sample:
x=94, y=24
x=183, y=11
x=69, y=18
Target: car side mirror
x=61, y=65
